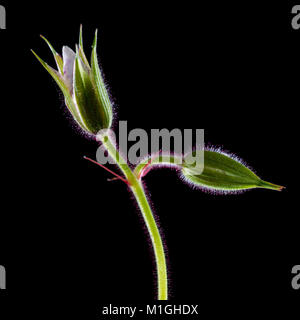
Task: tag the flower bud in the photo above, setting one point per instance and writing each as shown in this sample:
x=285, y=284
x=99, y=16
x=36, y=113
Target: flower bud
x=222, y=173
x=82, y=86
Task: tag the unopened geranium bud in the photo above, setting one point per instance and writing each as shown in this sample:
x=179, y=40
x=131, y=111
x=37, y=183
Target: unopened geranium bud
x=82, y=85
x=223, y=173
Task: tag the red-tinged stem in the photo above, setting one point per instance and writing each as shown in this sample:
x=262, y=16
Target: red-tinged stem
x=102, y=166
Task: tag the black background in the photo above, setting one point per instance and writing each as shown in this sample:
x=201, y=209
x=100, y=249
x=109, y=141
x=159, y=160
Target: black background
x=71, y=240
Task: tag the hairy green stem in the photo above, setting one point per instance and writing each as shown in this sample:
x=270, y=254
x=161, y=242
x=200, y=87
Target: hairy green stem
x=169, y=160
x=137, y=189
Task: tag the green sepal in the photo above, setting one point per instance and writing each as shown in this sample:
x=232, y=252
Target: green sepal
x=60, y=81
x=223, y=173
x=89, y=105
x=99, y=83
x=57, y=57
x=80, y=37
x=81, y=51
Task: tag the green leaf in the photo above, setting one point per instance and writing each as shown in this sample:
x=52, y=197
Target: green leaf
x=223, y=173
x=99, y=83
